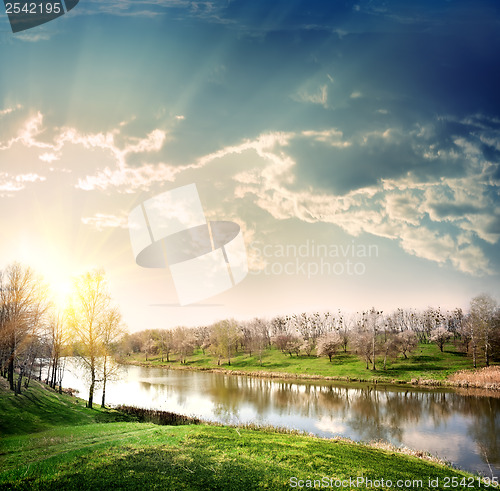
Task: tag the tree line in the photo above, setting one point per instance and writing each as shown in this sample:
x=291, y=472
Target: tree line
x=37, y=334
x=373, y=335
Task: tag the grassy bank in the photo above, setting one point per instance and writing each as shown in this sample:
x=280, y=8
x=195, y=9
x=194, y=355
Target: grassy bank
x=426, y=363
x=51, y=441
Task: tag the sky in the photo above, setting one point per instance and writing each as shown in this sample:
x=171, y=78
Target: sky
x=356, y=144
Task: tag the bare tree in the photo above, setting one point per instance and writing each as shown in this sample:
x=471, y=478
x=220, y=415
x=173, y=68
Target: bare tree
x=279, y=325
x=225, y=335
x=329, y=343
x=149, y=344
x=57, y=335
x=371, y=323
x=390, y=347
x=259, y=336
x=184, y=342
x=440, y=336
x=165, y=343
x=406, y=342
x=86, y=315
x=308, y=346
x=22, y=306
x=343, y=324
x=432, y=318
x=482, y=311
x=111, y=330
x=288, y=343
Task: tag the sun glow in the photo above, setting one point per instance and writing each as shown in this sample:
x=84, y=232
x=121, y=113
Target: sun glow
x=60, y=290
x=54, y=266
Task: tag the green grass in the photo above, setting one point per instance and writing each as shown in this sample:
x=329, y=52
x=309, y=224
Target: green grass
x=426, y=362
x=39, y=408
x=73, y=450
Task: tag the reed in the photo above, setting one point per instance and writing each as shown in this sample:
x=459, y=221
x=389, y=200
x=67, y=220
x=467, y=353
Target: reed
x=487, y=377
x=158, y=417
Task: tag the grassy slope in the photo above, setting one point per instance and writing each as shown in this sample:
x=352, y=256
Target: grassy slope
x=71, y=449
x=40, y=408
x=426, y=362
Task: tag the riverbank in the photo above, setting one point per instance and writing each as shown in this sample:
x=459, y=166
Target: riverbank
x=39, y=450
x=426, y=367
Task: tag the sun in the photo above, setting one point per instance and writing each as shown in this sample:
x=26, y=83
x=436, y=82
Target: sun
x=55, y=271
x=60, y=289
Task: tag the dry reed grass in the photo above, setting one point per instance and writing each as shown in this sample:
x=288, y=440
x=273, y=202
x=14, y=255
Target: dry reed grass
x=485, y=378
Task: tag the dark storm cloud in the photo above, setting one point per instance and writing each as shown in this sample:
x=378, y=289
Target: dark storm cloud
x=428, y=153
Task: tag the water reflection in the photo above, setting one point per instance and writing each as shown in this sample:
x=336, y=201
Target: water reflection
x=461, y=427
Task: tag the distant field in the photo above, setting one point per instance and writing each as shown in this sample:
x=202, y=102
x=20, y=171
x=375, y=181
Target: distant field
x=51, y=441
x=426, y=362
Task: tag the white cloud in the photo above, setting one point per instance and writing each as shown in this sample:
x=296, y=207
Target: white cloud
x=128, y=179
x=425, y=243
x=10, y=184
x=394, y=209
x=121, y=176
x=48, y=157
x=102, y=221
x=8, y=110
x=319, y=97
x=331, y=137
x=403, y=207
x=27, y=134
x=31, y=37
x=470, y=259
x=439, y=220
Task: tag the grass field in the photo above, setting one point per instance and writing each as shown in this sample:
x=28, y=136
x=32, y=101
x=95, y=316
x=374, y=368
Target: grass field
x=51, y=441
x=427, y=362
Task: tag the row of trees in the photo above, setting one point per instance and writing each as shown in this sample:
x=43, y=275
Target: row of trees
x=36, y=333
x=372, y=335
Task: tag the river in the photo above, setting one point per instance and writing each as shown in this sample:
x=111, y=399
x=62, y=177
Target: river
x=461, y=427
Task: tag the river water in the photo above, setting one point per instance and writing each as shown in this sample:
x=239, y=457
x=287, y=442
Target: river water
x=461, y=427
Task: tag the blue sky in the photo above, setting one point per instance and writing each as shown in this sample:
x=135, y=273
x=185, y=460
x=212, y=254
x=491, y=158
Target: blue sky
x=334, y=123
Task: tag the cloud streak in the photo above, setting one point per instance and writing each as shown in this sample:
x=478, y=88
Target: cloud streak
x=443, y=220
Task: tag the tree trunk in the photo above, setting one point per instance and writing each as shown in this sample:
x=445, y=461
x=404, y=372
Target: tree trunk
x=10, y=372
x=27, y=381
x=92, y=385
x=373, y=349
x=104, y=380
x=21, y=373
x=47, y=380
x=54, y=372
